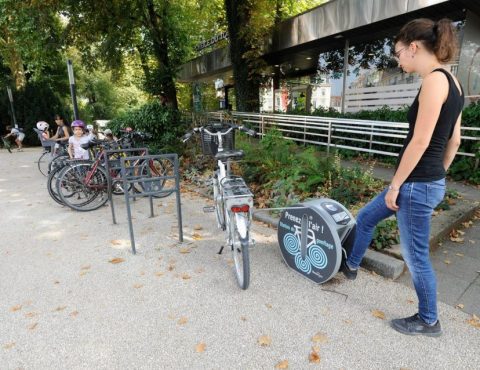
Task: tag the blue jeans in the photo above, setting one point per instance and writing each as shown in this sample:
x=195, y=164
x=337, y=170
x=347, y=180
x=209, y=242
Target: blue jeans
x=416, y=202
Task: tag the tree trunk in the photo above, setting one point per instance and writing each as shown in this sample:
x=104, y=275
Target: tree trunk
x=246, y=85
x=160, y=49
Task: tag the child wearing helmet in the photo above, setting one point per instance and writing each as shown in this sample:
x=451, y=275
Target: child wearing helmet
x=75, y=142
x=43, y=126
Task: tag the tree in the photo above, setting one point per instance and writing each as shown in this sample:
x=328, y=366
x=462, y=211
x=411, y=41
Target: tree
x=249, y=22
x=154, y=30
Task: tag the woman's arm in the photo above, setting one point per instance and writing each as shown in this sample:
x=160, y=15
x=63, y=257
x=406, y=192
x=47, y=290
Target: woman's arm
x=432, y=96
x=452, y=145
x=70, y=150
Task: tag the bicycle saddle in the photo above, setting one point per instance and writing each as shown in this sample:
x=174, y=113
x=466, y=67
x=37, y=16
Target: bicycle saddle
x=226, y=154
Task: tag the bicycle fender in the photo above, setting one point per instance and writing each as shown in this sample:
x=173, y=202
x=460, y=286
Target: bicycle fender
x=241, y=219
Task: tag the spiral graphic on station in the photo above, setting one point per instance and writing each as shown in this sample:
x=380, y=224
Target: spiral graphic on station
x=318, y=257
x=291, y=244
x=303, y=265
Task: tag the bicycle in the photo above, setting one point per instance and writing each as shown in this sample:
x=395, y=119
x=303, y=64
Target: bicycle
x=83, y=186
x=233, y=200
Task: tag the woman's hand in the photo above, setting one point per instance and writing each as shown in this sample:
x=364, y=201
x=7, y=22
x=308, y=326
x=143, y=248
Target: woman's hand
x=391, y=199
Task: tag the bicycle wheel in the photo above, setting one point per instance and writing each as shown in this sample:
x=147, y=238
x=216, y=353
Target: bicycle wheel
x=77, y=193
x=239, y=234
x=52, y=184
x=158, y=168
x=57, y=161
x=44, y=163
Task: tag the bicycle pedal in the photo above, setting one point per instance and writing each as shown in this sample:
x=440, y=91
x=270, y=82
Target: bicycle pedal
x=208, y=209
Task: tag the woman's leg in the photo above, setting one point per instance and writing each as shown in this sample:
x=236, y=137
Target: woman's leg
x=417, y=201
x=367, y=219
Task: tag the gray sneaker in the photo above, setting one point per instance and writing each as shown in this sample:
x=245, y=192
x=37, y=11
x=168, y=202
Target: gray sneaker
x=414, y=325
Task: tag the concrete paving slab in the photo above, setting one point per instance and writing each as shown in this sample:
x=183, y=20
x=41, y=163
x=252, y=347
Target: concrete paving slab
x=471, y=299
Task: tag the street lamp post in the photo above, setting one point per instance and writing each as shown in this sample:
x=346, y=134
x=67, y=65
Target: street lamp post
x=71, y=78
x=10, y=97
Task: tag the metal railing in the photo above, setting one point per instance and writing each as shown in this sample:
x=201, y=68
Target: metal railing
x=353, y=134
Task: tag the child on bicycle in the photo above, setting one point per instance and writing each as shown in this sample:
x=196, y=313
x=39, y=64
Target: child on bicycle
x=17, y=134
x=75, y=142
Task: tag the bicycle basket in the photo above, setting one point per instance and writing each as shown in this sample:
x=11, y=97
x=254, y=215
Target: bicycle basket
x=210, y=142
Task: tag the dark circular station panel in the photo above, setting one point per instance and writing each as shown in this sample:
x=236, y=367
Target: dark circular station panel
x=310, y=236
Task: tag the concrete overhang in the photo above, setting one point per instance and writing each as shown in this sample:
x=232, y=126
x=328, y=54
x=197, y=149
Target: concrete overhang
x=299, y=40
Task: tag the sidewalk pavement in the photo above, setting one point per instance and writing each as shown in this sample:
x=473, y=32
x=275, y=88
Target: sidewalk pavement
x=66, y=304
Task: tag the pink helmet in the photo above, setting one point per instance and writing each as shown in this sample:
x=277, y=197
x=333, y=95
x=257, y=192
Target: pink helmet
x=78, y=123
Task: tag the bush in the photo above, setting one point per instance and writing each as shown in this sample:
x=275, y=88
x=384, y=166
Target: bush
x=163, y=123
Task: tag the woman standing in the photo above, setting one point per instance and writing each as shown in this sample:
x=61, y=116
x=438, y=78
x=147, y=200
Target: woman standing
x=62, y=134
x=418, y=186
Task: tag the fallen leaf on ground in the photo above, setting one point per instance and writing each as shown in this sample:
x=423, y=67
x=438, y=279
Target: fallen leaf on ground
x=243, y=318
x=200, y=347
x=467, y=224
x=264, y=340
x=445, y=252
x=474, y=321
x=320, y=338
x=471, y=241
x=31, y=314
x=197, y=227
x=410, y=300
x=9, y=345
x=138, y=286
x=171, y=267
x=74, y=313
x=185, y=250
x=116, y=260
x=83, y=272
x=56, y=282
x=196, y=236
x=457, y=240
x=200, y=270
x=159, y=273
x=60, y=308
x=379, y=314
x=182, y=320
x=268, y=305
x=314, y=357
x=33, y=326
x=461, y=232
x=85, y=267
x=347, y=321
x=16, y=308
x=447, y=262
x=116, y=242
x=282, y=365
x=185, y=276
x=460, y=306
x=459, y=254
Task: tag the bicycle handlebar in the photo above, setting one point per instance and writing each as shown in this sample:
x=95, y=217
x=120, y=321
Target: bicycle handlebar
x=248, y=131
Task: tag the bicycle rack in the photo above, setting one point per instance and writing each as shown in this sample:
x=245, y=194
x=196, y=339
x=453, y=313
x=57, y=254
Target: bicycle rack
x=150, y=186
x=314, y=235
x=114, y=164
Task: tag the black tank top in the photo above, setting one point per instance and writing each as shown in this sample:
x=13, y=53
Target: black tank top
x=430, y=166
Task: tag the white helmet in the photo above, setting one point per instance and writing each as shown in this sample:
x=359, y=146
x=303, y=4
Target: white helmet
x=90, y=128
x=107, y=131
x=42, y=125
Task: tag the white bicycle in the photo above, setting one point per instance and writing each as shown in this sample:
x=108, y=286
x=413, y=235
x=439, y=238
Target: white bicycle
x=233, y=200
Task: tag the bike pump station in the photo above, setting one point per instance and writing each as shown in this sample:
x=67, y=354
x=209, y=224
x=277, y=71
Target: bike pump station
x=312, y=236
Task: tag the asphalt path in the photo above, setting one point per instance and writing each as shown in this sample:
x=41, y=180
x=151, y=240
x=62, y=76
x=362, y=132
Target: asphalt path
x=65, y=305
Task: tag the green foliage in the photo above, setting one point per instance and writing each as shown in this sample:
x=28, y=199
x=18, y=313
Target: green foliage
x=164, y=124
x=386, y=234
x=286, y=173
